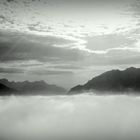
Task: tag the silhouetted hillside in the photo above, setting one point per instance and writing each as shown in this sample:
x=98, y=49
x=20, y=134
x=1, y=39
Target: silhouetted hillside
x=37, y=87
x=4, y=90
x=115, y=80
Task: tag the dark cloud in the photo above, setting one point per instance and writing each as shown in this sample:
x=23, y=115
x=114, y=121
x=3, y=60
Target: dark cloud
x=4, y=20
x=72, y=66
x=19, y=47
x=10, y=0
x=39, y=48
x=35, y=51
x=10, y=70
x=135, y=8
x=51, y=72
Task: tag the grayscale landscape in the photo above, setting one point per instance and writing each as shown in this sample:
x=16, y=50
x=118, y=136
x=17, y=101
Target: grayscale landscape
x=69, y=69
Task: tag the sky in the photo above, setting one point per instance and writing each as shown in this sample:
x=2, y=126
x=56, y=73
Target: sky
x=67, y=42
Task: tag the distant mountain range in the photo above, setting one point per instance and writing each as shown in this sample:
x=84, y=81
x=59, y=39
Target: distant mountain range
x=29, y=88
x=112, y=81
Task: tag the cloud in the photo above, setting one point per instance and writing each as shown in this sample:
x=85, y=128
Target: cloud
x=43, y=53
x=50, y=72
x=110, y=41
x=41, y=48
x=53, y=15
x=11, y=70
x=79, y=117
x=68, y=66
x=10, y=0
x=38, y=58
x=123, y=57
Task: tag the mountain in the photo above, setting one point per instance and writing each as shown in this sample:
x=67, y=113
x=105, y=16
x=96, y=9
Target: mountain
x=36, y=87
x=4, y=90
x=113, y=81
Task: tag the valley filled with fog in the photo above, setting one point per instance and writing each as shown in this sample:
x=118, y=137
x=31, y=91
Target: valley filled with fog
x=83, y=116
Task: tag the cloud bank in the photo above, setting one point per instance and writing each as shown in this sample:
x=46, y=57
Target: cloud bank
x=70, y=117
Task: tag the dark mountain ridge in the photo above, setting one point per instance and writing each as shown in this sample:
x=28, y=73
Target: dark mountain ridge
x=36, y=87
x=113, y=81
x=4, y=90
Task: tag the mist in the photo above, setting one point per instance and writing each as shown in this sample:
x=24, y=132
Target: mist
x=84, y=117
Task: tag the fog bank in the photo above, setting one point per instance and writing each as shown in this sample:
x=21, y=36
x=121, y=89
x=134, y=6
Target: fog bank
x=74, y=117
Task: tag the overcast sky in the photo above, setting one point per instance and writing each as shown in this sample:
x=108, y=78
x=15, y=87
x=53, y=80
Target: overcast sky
x=67, y=42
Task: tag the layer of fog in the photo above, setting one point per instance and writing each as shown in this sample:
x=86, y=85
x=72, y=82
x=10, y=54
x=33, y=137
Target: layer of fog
x=74, y=117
